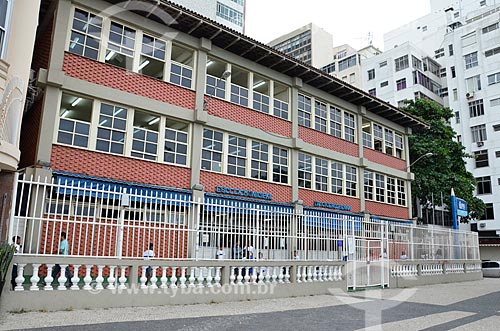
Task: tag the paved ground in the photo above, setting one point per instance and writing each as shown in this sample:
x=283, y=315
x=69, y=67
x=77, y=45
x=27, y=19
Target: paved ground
x=460, y=306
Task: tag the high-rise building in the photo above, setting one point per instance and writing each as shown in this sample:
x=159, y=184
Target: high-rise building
x=230, y=13
x=452, y=56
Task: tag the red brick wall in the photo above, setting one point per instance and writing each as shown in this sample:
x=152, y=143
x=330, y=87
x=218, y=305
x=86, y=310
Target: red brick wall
x=43, y=45
x=29, y=134
x=250, y=117
x=384, y=159
x=309, y=196
x=210, y=180
x=327, y=141
x=118, y=167
x=382, y=209
x=108, y=75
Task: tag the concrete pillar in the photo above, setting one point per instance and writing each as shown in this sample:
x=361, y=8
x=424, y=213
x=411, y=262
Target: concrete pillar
x=298, y=212
x=198, y=196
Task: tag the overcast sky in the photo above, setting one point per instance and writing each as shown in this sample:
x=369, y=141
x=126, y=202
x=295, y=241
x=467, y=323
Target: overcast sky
x=348, y=21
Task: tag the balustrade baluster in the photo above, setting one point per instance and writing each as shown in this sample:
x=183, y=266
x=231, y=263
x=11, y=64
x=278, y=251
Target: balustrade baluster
x=217, y=277
x=247, y=275
x=275, y=274
x=299, y=274
x=154, y=278
x=239, y=278
x=20, y=277
x=182, y=279
x=143, y=278
x=310, y=271
x=287, y=274
x=200, y=278
x=209, y=277
x=191, y=277
x=268, y=275
x=99, y=279
x=232, y=276
x=35, y=278
x=48, y=279
x=123, y=278
x=304, y=274
x=88, y=278
x=173, y=278
x=62, y=278
x=75, y=278
x=111, y=278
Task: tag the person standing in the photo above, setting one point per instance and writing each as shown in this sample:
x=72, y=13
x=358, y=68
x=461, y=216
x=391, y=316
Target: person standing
x=17, y=249
x=221, y=254
x=63, y=250
x=237, y=251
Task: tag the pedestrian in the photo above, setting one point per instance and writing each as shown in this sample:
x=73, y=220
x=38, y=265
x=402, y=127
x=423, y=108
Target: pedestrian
x=237, y=251
x=403, y=256
x=63, y=250
x=384, y=254
x=221, y=254
x=147, y=255
x=16, y=240
x=296, y=255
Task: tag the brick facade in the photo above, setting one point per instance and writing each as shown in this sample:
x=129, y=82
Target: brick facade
x=250, y=117
x=310, y=196
x=280, y=193
x=382, y=209
x=30, y=128
x=118, y=167
x=108, y=75
x=384, y=159
x=327, y=141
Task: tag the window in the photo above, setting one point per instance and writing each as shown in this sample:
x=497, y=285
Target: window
x=483, y=185
x=239, y=2
x=85, y=33
x=389, y=141
x=399, y=145
x=384, y=84
x=378, y=137
x=216, y=87
x=111, y=129
x=473, y=84
x=229, y=14
x=416, y=63
x=401, y=84
x=497, y=154
x=476, y=108
x=494, y=78
x=439, y=53
x=176, y=142
x=350, y=127
x=471, y=60
x=281, y=96
x=280, y=165
x=348, y=62
x=457, y=117
x=351, y=178
x=320, y=118
x=373, y=92
x=382, y=64
x=489, y=213
x=211, y=153
x=145, y=137
x=492, y=52
x=478, y=133
x=401, y=63
x=401, y=192
x=305, y=171
x=482, y=3
x=490, y=28
x=335, y=122
x=152, y=62
x=450, y=50
x=239, y=95
x=337, y=178
x=455, y=94
x=181, y=67
x=74, y=123
x=321, y=178
x=453, y=72
x=368, y=185
x=391, y=190
x=329, y=68
x=236, y=156
x=496, y=127
x=260, y=160
x=481, y=158
x=495, y=102
x=371, y=74
x=121, y=44
x=304, y=108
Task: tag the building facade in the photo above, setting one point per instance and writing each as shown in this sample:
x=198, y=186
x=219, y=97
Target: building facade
x=18, y=24
x=230, y=13
x=199, y=111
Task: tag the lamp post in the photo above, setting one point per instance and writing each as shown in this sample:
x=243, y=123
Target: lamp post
x=421, y=157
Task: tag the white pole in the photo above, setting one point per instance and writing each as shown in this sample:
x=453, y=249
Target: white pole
x=13, y=207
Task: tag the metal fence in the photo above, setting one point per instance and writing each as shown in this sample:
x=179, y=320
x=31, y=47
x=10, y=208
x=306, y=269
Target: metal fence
x=104, y=220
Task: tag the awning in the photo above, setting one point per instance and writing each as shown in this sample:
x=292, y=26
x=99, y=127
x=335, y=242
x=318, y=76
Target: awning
x=236, y=206
x=390, y=220
x=80, y=185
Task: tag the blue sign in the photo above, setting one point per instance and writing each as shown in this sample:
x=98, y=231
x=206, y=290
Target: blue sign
x=243, y=193
x=462, y=208
x=331, y=205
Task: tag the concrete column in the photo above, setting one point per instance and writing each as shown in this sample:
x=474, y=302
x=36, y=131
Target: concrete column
x=294, y=103
x=198, y=195
x=362, y=160
x=409, y=197
x=298, y=211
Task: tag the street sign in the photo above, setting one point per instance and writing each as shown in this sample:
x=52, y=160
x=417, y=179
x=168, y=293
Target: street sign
x=462, y=208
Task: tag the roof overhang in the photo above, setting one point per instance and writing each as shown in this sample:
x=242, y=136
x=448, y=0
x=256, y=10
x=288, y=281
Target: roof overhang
x=198, y=26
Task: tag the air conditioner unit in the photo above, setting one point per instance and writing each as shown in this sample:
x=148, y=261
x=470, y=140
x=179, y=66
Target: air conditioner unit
x=469, y=95
x=480, y=144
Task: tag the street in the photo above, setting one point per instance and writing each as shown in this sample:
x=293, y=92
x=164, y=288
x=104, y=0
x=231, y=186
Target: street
x=458, y=306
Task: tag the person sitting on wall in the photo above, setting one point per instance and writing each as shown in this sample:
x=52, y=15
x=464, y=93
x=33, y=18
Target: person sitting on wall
x=220, y=254
x=403, y=256
x=147, y=255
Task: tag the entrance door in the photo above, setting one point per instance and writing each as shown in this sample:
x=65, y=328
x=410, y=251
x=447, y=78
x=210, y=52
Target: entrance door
x=369, y=265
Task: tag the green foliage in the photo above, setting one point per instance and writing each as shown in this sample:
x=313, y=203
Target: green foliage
x=446, y=168
x=6, y=255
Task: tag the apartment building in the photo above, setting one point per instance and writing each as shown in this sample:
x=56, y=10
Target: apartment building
x=230, y=13
x=18, y=23
x=206, y=113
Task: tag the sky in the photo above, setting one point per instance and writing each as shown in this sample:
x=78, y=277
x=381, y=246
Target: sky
x=349, y=22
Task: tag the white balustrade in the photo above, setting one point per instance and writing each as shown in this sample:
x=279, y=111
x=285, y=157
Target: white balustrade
x=76, y=278
x=154, y=278
x=164, y=278
x=239, y=278
x=201, y=278
x=173, y=278
x=191, y=277
x=209, y=277
x=111, y=278
x=182, y=279
x=49, y=279
x=20, y=277
x=35, y=278
x=143, y=278
x=99, y=279
x=62, y=278
x=123, y=278
x=217, y=277
x=232, y=276
x=88, y=278
x=298, y=276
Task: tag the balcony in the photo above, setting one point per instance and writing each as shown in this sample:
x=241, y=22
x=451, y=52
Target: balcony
x=10, y=118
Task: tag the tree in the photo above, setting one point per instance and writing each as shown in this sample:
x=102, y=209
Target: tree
x=445, y=169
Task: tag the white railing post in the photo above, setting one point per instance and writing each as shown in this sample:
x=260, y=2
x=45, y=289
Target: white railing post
x=88, y=278
x=123, y=278
x=75, y=278
x=13, y=209
x=20, y=277
x=35, y=278
x=111, y=278
x=99, y=279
